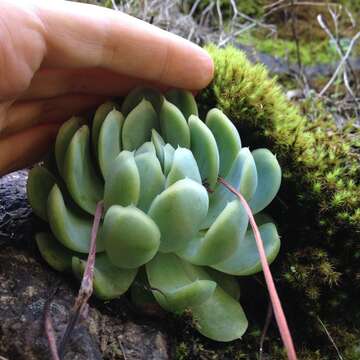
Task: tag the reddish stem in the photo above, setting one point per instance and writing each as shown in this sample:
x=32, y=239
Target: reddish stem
x=49, y=331
x=278, y=310
x=86, y=288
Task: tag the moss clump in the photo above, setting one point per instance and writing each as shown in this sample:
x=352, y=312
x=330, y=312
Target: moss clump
x=319, y=205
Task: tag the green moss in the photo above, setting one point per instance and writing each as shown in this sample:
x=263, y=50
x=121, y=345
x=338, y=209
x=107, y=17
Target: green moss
x=318, y=207
x=311, y=52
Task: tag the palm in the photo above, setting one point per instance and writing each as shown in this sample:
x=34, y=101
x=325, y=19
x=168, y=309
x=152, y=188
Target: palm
x=60, y=59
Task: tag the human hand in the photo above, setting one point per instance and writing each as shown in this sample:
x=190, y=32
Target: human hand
x=59, y=58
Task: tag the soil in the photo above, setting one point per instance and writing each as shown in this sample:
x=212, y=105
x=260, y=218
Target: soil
x=110, y=330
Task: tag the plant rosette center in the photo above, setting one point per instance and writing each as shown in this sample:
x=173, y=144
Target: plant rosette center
x=168, y=225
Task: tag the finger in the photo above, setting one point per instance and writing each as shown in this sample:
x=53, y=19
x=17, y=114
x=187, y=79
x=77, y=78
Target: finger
x=24, y=114
x=83, y=35
x=25, y=148
x=48, y=83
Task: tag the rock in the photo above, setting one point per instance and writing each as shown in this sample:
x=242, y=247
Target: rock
x=26, y=282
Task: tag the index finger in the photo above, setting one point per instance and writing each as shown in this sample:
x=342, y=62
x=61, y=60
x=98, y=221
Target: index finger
x=83, y=35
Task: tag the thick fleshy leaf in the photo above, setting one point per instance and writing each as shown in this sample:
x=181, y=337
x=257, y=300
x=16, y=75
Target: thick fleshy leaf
x=269, y=179
x=184, y=101
x=54, y=253
x=63, y=139
x=173, y=288
x=228, y=283
x=39, y=184
x=178, y=211
x=227, y=139
x=221, y=240
x=138, y=125
x=174, y=127
x=169, y=152
x=152, y=179
x=145, y=148
x=183, y=166
x=242, y=176
x=99, y=117
x=131, y=237
x=137, y=95
x=204, y=148
x=109, y=281
x=109, y=143
x=72, y=228
x=221, y=317
x=122, y=186
x=82, y=181
x=245, y=260
x=159, y=144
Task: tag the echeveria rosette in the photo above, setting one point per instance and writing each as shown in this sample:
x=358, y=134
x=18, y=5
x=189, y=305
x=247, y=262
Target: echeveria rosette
x=167, y=221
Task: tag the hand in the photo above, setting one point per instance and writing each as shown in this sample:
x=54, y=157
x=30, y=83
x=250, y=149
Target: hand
x=59, y=58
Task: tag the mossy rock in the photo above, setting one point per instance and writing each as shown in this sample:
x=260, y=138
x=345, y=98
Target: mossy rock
x=318, y=208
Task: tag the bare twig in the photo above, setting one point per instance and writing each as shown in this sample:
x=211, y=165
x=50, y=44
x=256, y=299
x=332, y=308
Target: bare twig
x=265, y=329
x=330, y=338
x=276, y=304
x=335, y=40
x=341, y=64
x=86, y=288
x=49, y=330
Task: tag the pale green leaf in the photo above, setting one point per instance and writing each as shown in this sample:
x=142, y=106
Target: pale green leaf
x=131, y=237
x=204, y=148
x=178, y=211
x=72, y=228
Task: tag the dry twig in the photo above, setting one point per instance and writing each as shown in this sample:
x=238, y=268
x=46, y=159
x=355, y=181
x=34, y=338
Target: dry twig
x=86, y=288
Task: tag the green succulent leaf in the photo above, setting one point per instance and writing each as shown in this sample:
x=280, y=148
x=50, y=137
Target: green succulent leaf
x=184, y=101
x=204, y=148
x=138, y=125
x=178, y=211
x=72, y=228
x=131, y=237
x=242, y=176
x=109, y=281
x=171, y=285
x=221, y=317
x=269, y=179
x=228, y=283
x=83, y=183
x=245, y=260
x=227, y=139
x=159, y=144
x=109, y=142
x=152, y=179
x=137, y=95
x=63, y=139
x=174, y=127
x=99, y=117
x=183, y=166
x=56, y=255
x=122, y=186
x=145, y=148
x=169, y=152
x=221, y=240
x=39, y=184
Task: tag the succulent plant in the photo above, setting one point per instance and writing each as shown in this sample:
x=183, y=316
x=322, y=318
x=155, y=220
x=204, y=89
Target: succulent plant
x=170, y=230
